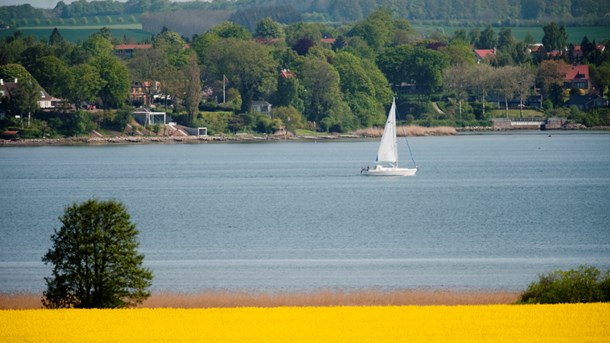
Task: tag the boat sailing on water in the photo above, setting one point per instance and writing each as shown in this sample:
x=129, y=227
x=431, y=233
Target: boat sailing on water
x=386, y=163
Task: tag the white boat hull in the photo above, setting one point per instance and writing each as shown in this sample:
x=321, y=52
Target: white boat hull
x=390, y=171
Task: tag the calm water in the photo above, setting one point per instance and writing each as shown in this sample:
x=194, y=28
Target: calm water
x=483, y=212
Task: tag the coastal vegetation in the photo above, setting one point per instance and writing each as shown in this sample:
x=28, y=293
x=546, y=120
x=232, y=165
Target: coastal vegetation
x=583, y=285
x=336, y=74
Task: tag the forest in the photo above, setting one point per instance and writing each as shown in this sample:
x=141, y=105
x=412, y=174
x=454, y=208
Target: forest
x=336, y=84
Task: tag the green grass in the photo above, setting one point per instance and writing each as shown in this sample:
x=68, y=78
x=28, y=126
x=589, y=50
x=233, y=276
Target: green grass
x=302, y=132
x=512, y=113
x=81, y=33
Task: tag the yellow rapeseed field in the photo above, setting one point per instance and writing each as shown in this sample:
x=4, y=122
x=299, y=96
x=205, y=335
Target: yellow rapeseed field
x=489, y=323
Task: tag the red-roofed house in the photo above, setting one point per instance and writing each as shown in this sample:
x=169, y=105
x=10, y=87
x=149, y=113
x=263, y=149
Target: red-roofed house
x=577, y=77
x=286, y=73
x=484, y=54
x=328, y=40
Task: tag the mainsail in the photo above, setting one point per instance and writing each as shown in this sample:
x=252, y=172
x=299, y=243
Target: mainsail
x=388, y=151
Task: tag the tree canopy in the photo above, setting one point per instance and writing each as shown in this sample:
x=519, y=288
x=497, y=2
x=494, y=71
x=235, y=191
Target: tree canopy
x=94, y=259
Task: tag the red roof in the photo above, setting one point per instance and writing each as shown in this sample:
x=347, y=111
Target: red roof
x=286, y=73
x=328, y=40
x=578, y=72
x=132, y=46
x=484, y=53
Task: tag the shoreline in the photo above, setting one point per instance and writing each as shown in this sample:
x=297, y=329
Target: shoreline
x=96, y=139
x=317, y=298
x=363, y=134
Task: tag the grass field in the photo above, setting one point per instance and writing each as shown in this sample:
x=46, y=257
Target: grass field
x=76, y=34
x=488, y=323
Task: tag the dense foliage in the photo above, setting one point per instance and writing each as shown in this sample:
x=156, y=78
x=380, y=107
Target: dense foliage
x=95, y=260
x=583, y=285
x=333, y=78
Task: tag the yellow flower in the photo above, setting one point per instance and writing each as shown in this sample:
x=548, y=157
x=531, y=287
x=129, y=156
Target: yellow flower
x=491, y=323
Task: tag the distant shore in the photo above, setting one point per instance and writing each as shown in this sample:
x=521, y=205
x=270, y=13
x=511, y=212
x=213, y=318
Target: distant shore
x=229, y=299
x=370, y=133
x=127, y=139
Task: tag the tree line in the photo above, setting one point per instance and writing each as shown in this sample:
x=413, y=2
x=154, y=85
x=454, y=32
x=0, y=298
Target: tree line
x=339, y=84
x=509, y=12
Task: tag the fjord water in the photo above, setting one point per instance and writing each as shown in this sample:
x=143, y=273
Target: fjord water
x=484, y=211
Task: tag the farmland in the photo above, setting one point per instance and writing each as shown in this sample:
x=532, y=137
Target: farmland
x=489, y=323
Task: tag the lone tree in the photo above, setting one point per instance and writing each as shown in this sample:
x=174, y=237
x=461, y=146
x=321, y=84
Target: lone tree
x=95, y=259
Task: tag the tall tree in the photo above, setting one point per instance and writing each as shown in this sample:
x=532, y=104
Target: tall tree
x=249, y=66
x=488, y=39
x=95, y=259
x=267, y=28
x=115, y=77
x=550, y=77
x=83, y=84
x=55, y=38
x=555, y=37
x=52, y=75
x=192, y=96
x=456, y=81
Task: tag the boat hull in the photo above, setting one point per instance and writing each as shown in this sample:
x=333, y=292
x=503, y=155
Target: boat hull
x=384, y=171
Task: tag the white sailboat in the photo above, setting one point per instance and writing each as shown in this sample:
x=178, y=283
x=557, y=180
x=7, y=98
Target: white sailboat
x=386, y=163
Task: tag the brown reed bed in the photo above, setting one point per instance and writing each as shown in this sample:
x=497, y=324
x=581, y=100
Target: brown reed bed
x=228, y=299
x=409, y=130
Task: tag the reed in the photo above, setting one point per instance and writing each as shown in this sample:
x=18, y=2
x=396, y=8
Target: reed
x=367, y=297
x=409, y=130
x=230, y=299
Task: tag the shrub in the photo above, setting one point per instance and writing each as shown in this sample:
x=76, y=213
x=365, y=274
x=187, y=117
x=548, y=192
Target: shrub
x=582, y=285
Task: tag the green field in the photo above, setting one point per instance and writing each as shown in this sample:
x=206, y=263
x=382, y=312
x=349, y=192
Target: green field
x=575, y=33
x=76, y=33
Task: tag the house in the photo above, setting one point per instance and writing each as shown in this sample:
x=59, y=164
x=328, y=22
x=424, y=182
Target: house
x=484, y=55
x=45, y=101
x=127, y=50
x=577, y=78
x=587, y=102
x=261, y=106
x=286, y=74
x=142, y=93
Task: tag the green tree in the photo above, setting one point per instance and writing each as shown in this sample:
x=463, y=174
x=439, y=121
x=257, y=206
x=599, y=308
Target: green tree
x=555, y=37
x=55, y=37
x=84, y=84
x=248, y=66
x=172, y=46
x=365, y=88
x=192, y=96
x=95, y=259
x=231, y=30
x=488, y=39
x=600, y=76
x=583, y=285
x=267, y=28
x=115, y=77
x=24, y=99
x=96, y=45
x=52, y=74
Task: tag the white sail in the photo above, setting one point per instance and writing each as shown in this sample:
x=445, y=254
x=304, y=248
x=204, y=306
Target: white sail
x=388, y=151
x=387, y=155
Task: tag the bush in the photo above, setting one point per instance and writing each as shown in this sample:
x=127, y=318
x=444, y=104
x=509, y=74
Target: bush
x=582, y=285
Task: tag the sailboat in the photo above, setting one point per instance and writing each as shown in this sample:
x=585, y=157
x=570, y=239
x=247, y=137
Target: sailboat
x=386, y=163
